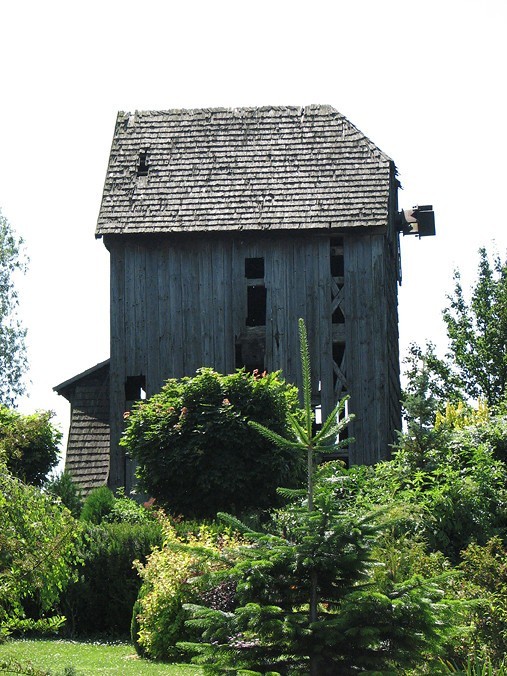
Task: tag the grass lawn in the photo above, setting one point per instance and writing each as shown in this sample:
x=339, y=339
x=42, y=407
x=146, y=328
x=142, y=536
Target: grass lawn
x=56, y=657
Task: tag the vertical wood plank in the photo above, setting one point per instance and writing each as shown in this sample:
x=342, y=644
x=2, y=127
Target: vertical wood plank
x=117, y=373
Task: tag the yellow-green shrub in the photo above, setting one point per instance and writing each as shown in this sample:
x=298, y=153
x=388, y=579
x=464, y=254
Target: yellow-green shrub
x=171, y=577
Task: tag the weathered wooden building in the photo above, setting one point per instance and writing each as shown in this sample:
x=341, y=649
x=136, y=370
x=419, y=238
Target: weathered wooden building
x=224, y=226
x=87, y=457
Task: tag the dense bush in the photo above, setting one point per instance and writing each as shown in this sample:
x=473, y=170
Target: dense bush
x=64, y=488
x=127, y=510
x=101, y=599
x=453, y=495
x=36, y=550
x=102, y=505
x=158, y=621
x=484, y=578
x=196, y=453
x=29, y=444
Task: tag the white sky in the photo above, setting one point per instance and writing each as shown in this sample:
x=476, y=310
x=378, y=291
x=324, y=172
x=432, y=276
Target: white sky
x=425, y=81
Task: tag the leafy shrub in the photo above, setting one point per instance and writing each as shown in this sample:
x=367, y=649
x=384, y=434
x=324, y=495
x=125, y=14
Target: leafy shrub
x=454, y=495
x=484, y=578
x=98, y=505
x=196, y=452
x=29, y=444
x=100, y=601
x=169, y=580
x=69, y=493
x=127, y=510
x=36, y=550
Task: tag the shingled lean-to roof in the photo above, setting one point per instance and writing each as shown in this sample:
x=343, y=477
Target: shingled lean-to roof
x=242, y=169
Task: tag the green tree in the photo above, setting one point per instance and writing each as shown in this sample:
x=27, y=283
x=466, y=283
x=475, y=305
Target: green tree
x=12, y=336
x=196, y=452
x=477, y=331
x=29, y=444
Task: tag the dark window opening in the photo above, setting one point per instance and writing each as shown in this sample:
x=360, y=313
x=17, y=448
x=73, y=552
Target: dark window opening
x=142, y=169
x=256, y=306
x=337, y=266
x=250, y=355
x=254, y=268
x=135, y=388
x=336, y=259
x=238, y=356
x=338, y=353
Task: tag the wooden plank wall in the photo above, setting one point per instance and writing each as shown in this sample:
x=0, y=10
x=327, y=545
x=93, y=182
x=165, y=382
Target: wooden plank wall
x=178, y=304
x=371, y=331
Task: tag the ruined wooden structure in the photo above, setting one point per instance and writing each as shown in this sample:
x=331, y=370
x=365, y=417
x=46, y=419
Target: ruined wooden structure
x=224, y=227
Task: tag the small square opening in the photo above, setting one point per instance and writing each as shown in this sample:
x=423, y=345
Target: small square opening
x=254, y=268
x=135, y=388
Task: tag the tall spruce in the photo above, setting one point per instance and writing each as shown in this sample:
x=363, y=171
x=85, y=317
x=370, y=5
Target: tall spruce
x=301, y=598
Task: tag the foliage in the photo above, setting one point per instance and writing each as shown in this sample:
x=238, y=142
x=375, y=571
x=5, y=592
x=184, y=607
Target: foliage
x=100, y=599
x=158, y=618
x=36, y=548
x=429, y=387
x=97, y=505
x=485, y=579
x=461, y=415
x=12, y=336
x=64, y=488
x=196, y=452
x=477, y=331
x=127, y=510
x=474, y=665
x=453, y=495
x=29, y=444
x=304, y=600
x=103, y=506
x=358, y=625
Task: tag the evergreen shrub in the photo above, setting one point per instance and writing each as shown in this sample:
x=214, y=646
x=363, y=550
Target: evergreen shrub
x=100, y=601
x=98, y=505
x=196, y=452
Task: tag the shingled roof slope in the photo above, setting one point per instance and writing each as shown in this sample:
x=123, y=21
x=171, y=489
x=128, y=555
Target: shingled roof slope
x=242, y=169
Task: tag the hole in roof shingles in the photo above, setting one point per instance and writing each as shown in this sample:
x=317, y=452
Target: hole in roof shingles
x=142, y=167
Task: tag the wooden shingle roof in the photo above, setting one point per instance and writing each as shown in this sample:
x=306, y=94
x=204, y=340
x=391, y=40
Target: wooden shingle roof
x=242, y=169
